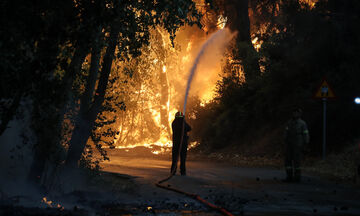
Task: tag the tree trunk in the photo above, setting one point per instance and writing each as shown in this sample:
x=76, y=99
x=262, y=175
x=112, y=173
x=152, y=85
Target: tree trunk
x=10, y=112
x=93, y=75
x=44, y=126
x=164, y=98
x=237, y=12
x=48, y=131
x=88, y=114
x=164, y=86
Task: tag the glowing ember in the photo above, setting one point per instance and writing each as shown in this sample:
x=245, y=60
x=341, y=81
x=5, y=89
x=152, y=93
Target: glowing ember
x=310, y=3
x=47, y=202
x=51, y=204
x=193, y=145
x=256, y=43
x=221, y=22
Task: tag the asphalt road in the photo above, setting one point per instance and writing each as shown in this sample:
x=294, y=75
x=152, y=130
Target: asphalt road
x=242, y=191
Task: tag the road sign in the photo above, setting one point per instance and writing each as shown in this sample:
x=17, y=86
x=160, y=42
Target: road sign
x=324, y=91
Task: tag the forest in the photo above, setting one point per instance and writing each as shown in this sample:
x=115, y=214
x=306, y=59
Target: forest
x=80, y=78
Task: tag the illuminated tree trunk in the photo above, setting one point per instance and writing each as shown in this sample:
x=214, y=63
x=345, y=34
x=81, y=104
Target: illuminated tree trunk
x=164, y=99
x=164, y=84
x=237, y=12
x=130, y=129
x=89, y=111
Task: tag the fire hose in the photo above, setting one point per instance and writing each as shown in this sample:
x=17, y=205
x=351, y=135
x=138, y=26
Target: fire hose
x=197, y=197
x=194, y=196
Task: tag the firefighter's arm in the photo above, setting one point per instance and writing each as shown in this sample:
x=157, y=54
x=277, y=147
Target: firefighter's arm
x=306, y=134
x=286, y=133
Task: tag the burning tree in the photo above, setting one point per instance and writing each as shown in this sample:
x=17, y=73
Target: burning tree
x=128, y=39
x=54, y=53
x=142, y=83
x=150, y=86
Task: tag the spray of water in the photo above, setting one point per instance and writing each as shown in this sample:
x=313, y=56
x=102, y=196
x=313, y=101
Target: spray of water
x=221, y=38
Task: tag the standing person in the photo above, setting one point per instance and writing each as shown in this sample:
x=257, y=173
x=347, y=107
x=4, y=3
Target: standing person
x=296, y=136
x=179, y=129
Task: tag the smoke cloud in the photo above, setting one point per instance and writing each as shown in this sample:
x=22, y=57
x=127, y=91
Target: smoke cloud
x=207, y=65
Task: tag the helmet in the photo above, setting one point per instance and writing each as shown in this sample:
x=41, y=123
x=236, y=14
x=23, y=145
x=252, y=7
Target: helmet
x=179, y=115
x=297, y=112
x=297, y=109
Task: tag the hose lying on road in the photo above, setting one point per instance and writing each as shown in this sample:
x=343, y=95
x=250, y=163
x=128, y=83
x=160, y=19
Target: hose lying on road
x=197, y=197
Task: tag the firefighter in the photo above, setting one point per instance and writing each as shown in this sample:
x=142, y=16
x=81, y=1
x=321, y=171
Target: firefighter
x=179, y=130
x=296, y=136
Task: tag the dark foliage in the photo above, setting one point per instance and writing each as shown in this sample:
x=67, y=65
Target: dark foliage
x=310, y=44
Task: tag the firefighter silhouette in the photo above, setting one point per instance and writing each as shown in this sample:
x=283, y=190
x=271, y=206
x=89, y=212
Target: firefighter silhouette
x=296, y=136
x=179, y=129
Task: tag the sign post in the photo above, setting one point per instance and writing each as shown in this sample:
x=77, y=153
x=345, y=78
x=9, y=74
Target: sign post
x=324, y=130
x=324, y=92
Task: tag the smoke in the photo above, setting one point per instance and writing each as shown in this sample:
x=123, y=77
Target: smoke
x=16, y=156
x=207, y=63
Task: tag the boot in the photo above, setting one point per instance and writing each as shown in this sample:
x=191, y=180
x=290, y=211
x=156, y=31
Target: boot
x=173, y=169
x=183, y=170
x=289, y=175
x=297, y=176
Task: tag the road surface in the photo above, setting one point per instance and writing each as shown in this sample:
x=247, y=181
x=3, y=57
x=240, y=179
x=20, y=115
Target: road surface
x=242, y=191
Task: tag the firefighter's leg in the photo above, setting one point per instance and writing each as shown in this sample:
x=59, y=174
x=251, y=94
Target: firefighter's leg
x=297, y=167
x=183, y=157
x=175, y=153
x=288, y=165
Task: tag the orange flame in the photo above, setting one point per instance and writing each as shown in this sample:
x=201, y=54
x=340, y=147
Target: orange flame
x=172, y=65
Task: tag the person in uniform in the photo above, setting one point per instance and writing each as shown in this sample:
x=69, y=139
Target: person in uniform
x=179, y=129
x=296, y=136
